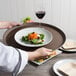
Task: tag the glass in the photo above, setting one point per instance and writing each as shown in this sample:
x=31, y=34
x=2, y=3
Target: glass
x=39, y=8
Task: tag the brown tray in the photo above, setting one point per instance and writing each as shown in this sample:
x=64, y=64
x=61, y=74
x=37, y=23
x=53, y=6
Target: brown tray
x=58, y=36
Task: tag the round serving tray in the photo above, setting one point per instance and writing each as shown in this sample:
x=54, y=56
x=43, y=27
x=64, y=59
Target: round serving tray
x=57, y=41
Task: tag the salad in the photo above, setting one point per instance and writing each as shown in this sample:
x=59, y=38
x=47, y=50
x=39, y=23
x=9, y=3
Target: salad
x=33, y=38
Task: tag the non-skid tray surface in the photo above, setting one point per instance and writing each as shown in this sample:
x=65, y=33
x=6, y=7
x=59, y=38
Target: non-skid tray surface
x=58, y=36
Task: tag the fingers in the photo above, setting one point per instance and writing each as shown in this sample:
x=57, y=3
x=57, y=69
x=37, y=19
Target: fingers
x=12, y=24
x=52, y=53
x=46, y=51
x=7, y=24
x=15, y=23
x=49, y=50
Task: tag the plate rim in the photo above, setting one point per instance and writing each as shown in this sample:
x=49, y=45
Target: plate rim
x=33, y=44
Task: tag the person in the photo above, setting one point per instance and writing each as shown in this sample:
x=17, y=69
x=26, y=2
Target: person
x=9, y=56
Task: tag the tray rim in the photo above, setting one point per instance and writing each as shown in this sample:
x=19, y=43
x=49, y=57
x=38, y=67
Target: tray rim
x=50, y=25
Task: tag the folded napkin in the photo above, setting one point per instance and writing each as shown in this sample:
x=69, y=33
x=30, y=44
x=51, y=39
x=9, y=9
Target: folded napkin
x=69, y=69
x=69, y=45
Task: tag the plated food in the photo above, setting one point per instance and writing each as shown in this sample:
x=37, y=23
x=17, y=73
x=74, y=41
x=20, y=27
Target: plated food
x=42, y=60
x=33, y=37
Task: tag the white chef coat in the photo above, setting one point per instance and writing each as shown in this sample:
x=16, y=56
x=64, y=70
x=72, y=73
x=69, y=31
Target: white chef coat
x=9, y=58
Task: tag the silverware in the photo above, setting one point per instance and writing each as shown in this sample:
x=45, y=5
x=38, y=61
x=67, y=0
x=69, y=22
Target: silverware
x=68, y=48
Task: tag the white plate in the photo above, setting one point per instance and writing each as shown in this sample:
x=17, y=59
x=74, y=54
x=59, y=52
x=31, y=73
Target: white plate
x=61, y=62
x=23, y=32
x=39, y=63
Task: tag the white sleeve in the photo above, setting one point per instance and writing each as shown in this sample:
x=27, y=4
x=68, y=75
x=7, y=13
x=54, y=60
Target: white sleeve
x=24, y=56
x=9, y=58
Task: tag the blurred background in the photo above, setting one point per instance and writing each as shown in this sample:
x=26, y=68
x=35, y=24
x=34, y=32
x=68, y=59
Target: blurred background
x=60, y=13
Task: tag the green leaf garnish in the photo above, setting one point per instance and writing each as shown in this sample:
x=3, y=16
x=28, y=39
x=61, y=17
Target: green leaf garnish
x=41, y=36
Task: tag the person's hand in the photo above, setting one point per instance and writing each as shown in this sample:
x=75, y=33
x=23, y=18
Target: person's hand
x=43, y=51
x=38, y=53
x=7, y=24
